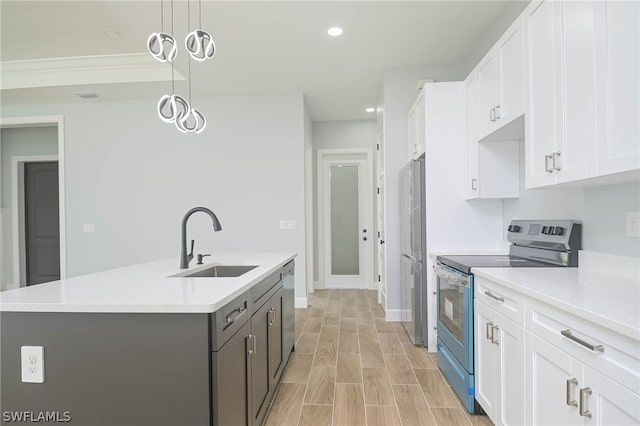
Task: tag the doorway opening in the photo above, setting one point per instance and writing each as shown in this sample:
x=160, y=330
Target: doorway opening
x=32, y=213
x=346, y=236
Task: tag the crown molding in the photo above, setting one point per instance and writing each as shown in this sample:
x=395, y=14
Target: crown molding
x=84, y=70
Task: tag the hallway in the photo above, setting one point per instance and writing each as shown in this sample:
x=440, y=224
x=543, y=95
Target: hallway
x=352, y=368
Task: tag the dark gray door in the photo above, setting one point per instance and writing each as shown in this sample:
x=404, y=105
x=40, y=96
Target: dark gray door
x=42, y=229
x=276, y=353
x=230, y=381
x=260, y=383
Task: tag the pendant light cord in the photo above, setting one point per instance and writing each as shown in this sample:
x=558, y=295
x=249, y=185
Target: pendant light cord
x=161, y=15
x=189, y=56
x=173, y=80
x=200, y=13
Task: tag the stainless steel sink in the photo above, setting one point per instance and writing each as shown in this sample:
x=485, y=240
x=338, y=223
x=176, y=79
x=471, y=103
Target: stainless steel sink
x=218, y=271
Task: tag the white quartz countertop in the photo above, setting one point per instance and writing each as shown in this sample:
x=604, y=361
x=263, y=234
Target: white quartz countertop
x=608, y=300
x=146, y=287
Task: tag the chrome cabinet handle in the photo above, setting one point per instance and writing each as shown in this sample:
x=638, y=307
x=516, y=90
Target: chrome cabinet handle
x=474, y=186
x=275, y=315
x=490, y=331
x=570, y=384
x=556, y=155
x=546, y=163
x=251, y=344
x=494, y=297
x=270, y=317
x=494, y=328
x=496, y=113
x=229, y=318
x=569, y=335
x=583, y=402
x=492, y=114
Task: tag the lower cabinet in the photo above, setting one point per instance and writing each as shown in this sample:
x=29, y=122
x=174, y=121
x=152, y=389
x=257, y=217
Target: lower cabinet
x=248, y=366
x=563, y=390
x=499, y=366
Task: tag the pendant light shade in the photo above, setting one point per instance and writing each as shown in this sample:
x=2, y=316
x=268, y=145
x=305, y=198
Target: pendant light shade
x=162, y=46
x=200, y=45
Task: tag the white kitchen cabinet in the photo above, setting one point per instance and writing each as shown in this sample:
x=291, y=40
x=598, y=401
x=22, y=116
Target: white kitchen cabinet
x=563, y=391
x=417, y=127
x=501, y=82
x=618, y=39
x=551, y=384
x=499, y=366
x=582, y=96
x=493, y=169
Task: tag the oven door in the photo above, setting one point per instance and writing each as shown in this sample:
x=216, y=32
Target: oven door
x=455, y=314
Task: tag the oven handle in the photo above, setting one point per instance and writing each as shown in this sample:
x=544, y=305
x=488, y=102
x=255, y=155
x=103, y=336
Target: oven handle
x=459, y=279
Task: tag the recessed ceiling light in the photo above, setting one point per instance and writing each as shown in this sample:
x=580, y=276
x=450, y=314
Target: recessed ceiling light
x=111, y=34
x=86, y=95
x=335, y=31
x=370, y=109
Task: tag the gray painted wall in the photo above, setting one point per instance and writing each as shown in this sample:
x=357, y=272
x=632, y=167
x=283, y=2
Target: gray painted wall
x=334, y=135
x=602, y=209
x=134, y=177
x=18, y=142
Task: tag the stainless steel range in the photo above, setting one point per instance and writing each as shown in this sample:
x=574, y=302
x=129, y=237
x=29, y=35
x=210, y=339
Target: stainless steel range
x=534, y=244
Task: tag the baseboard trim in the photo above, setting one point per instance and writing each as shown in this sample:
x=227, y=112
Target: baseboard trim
x=301, y=303
x=396, y=315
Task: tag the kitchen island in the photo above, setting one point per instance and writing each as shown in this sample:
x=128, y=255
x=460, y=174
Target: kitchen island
x=141, y=346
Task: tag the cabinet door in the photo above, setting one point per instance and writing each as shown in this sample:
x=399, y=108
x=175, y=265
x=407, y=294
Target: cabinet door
x=486, y=359
x=543, y=131
x=472, y=183
x=511, y=394
x=230, y=375
x=420, y=124
x=260, y=383
x=609, y=402
x=618, y=35
x=276, y=349
x=510, y=74
x=488, y=97
x=549, y=372
x=413, y=132
x=577, y=156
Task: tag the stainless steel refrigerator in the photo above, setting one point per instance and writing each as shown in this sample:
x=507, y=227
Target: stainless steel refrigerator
x=413, y=243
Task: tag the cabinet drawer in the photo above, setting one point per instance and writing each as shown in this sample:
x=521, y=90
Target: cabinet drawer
x=612, y=354
x=500, y=298
x=259, y=293
x=227, y=320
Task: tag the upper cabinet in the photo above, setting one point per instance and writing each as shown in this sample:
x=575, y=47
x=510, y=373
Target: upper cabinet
x=501, y=82
x=582, y=97
x=417, y=127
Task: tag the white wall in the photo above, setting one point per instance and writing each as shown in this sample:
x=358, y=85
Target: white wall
x=399, y=92
x=602, y=210
x=339, y=134
x=134, y=177
x=309, y=203
x=18, y=142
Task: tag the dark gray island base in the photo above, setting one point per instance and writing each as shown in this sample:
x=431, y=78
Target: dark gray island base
x=119, y=369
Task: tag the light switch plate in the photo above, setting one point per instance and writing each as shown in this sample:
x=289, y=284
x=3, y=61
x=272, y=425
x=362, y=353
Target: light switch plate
x=288, y=224
x=32, y=362
x=89, y=228
x=633, y=224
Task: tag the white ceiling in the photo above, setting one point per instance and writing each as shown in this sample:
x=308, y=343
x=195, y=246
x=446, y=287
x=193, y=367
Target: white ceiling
x=262, y=46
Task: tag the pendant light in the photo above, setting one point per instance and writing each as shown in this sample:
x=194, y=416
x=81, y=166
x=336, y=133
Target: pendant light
x=199, y=44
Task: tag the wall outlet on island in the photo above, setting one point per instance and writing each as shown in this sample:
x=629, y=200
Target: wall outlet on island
x=633, y=224
x=288, y=224
x=32, y=364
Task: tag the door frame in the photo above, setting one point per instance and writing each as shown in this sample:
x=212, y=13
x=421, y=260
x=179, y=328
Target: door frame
x=323, y=236
x=19, y=275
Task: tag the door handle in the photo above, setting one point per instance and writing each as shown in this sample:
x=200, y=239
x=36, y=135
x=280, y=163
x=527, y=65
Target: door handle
x=381, y=241
x=570, y=384
x=583, y=402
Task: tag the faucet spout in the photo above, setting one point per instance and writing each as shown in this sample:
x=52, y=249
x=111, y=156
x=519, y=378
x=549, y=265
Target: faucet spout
x=184, y=257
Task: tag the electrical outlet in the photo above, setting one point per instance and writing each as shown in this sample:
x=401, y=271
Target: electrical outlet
x=32, y=361
x=633, y=224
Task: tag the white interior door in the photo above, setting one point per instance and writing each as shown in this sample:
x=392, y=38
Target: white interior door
x=347, y=236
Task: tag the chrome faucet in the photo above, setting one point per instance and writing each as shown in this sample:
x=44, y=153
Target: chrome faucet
x=184, y=257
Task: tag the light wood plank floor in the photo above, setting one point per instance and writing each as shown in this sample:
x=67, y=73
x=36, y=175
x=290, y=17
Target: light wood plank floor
x=353, y=368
